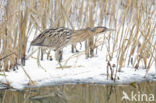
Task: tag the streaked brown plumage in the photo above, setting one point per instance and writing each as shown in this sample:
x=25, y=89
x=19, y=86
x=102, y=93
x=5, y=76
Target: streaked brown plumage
x=58, y=38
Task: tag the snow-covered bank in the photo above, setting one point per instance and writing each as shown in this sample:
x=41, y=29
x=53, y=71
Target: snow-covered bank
x=132, y=41
x=93, y=70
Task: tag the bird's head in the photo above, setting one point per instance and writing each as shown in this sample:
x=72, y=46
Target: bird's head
x=101, y=29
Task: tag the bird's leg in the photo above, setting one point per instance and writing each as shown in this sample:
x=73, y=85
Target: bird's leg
x=91, y=49
x=41, y=54
x=48, y=55
x=74, y=49
x=59, y=57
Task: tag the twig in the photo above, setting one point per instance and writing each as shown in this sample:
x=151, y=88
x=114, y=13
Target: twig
x=31, y=81
x=6, y=56
x=4, y=96
x=31, y=54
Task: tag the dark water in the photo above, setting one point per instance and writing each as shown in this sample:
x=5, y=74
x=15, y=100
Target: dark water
x=83, y=93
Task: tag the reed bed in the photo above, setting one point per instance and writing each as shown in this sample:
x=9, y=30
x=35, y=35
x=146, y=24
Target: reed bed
x=133, y=42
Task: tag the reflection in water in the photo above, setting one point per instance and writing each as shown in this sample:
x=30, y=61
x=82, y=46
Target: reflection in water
x=82, y=93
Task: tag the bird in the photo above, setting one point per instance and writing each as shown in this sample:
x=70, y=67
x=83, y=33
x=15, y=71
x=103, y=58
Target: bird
x=59, y=37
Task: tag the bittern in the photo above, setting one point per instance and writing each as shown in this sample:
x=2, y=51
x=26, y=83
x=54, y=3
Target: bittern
x=58, y=38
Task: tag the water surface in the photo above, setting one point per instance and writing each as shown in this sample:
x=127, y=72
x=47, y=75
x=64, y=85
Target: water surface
x=80, y=93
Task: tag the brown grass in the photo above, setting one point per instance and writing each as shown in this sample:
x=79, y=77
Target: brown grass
x=132, y=43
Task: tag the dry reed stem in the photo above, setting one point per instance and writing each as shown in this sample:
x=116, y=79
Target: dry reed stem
x=31, y=81
x=133, y=23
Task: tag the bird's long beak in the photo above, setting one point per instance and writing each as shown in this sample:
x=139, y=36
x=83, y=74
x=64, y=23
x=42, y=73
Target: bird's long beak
x=109, y=29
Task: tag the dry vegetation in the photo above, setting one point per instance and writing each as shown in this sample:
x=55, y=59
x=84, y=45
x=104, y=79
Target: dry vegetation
x=133, y=43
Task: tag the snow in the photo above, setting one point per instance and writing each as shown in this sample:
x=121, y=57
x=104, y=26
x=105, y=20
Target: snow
x=92, y=70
